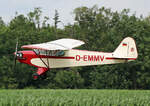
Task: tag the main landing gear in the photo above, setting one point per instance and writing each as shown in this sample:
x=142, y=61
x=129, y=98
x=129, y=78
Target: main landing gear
x=36, y=76
x=41, y=72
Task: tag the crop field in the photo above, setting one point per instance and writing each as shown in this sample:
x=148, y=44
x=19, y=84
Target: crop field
x=45, y=97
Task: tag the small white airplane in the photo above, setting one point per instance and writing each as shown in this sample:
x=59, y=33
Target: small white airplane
x=60, y=54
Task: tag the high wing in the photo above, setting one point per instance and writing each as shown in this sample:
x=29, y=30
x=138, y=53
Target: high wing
x=60, y=44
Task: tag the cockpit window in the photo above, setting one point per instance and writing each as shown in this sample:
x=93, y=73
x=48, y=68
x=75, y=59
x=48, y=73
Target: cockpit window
x=36, y=51
x=50, y=52
x=60, y=53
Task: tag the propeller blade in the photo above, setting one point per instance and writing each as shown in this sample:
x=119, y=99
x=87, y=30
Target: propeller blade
x=16, y=46
x=15, y=57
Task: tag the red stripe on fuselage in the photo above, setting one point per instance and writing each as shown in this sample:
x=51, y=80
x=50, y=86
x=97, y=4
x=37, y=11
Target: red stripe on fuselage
x=56, y=57
x=112, y=58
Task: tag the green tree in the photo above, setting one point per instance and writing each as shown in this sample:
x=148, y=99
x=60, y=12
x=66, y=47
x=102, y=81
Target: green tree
x=56, y=21
x=69, y=79
x=100, y=28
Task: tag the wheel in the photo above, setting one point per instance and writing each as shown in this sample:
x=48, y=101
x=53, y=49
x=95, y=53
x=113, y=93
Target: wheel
x=35, y=76
x=43, y=76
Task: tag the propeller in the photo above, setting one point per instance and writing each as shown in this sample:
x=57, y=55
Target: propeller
x=15, y=57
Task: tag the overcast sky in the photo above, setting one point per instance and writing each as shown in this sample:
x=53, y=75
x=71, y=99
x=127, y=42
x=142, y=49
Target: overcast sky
x=66, y=7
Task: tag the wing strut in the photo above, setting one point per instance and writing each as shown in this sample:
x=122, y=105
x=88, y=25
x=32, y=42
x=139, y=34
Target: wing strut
x=43, y=60
x=47, y=61
x=41, y=71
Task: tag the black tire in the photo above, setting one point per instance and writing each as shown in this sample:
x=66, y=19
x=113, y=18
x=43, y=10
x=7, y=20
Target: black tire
x=43, y=76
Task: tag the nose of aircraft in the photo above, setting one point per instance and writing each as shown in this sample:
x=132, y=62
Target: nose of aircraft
x=25, y=56
x=18, y=54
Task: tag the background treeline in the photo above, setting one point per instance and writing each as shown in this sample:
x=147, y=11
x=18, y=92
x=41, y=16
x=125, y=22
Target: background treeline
x=101, y=29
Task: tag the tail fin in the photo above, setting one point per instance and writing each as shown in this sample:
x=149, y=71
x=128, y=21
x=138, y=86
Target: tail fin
x=127, y=49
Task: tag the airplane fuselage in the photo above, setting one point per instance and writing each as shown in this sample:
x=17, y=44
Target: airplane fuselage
x=59, y=54
x=72, y=58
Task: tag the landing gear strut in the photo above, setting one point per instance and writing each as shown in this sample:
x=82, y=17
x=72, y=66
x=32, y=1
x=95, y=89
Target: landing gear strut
x=41, y=71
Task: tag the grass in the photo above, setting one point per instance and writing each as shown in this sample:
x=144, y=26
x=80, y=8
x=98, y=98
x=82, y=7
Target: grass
x=46, y=97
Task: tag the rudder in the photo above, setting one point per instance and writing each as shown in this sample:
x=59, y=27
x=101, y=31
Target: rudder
x=127, y=49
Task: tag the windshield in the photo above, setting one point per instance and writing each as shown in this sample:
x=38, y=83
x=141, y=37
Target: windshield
x=49, y=52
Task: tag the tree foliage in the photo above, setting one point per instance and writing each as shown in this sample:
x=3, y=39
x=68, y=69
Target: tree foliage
x=101, y=29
